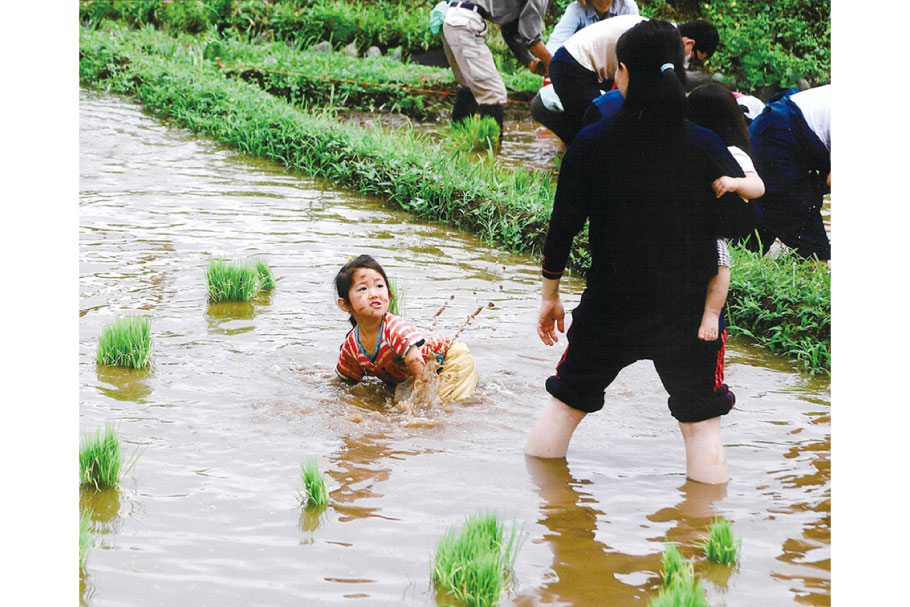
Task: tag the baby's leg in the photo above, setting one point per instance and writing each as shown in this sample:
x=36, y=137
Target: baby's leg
x=714, y=303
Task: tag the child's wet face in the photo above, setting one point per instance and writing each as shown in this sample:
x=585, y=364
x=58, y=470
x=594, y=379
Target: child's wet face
x=368, y=297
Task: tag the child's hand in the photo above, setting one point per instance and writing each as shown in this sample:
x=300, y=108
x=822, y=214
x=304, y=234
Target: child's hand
x=725, y=184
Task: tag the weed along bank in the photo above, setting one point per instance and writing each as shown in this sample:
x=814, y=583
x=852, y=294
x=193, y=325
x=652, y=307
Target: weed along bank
x=233, y=156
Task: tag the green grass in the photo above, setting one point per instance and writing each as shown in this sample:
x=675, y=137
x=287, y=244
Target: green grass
x=86, y=537
x=266, y=279
x=396, y=304
x=475, y=133
x=126, y=342
x=100, y=461
x=681, y=594
x=405, y=168
x=720, y=546
x=474, y=562
x=314, y=493
x=782, y=302
x=237, y=280
x=675, y=567
x=679, y=586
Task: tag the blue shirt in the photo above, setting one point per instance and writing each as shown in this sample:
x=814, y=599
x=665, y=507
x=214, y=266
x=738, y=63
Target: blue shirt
x=577, y=17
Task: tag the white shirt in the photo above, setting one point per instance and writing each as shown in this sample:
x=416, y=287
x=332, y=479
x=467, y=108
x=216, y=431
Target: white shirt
x=815, y=104
x=594, y=47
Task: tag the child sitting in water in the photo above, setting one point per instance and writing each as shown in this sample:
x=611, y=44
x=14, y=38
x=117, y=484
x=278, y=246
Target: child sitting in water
x=714, y=107
x=388, y=347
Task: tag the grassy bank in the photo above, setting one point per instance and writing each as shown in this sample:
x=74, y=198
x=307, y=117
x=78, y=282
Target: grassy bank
x=508, y=209
x=314, y=78
x=762, y=44
x=383, y=23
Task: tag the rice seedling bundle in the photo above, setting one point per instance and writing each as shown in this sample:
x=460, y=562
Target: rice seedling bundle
x=473, y=563
x=474, y=133
x=99, y=459
x=237, y=280
x=680, y=587
x=681, y=594
x=396, y=304
x=314, y=494
x=126, y=342
x=720, y=546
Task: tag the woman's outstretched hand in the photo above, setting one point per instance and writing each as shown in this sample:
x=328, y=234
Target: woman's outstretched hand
x=550, y=320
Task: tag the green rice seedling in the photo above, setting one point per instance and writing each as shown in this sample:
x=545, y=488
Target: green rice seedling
x=472, y=564
x=396, y=304
x=314, y=493
x=100, y=461
x=679, y=586
x=683, y=593
x=126, y=342
x=231, y=280
x=86, y=538
x=675, y=567
x=266, y=280
x=474, y=133
x=720, y=545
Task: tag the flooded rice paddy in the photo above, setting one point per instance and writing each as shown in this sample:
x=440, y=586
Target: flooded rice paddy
x=239, y=395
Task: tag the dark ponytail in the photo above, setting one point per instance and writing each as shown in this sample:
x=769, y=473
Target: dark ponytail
x=656, y=97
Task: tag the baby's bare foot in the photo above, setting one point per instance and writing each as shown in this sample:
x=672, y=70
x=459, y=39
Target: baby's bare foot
x=710, y=323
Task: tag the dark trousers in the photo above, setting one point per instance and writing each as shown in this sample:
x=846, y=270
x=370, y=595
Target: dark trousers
x=577, y=87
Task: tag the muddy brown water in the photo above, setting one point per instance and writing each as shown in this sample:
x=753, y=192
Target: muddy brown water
x=240, y=395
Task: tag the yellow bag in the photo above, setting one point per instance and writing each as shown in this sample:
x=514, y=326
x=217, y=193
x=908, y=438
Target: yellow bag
x=458, y=377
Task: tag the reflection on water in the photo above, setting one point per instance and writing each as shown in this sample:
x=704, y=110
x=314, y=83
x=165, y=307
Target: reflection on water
x=607, y=575
x=124, y=384
x=239, y=395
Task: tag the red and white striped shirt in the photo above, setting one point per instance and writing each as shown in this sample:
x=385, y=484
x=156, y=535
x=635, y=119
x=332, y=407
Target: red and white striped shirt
x=396, y=337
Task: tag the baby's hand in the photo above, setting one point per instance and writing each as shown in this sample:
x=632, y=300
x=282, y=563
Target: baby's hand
x=724, y=184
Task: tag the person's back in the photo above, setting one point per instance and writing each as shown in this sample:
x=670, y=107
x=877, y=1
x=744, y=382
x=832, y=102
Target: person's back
x=594, y=47
x=653, y=218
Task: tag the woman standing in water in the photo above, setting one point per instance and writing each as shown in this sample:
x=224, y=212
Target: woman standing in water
x=643, y=182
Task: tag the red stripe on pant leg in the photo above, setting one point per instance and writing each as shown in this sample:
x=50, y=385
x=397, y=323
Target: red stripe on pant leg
x=719, y=367
x=563, y=357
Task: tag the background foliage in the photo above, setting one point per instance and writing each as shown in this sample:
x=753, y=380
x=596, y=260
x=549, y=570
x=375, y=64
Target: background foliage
x=765, y=46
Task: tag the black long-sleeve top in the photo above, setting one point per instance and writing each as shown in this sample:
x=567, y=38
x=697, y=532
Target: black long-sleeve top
x=654, y=221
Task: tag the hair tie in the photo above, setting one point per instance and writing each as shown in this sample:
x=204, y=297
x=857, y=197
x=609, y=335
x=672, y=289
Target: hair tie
x=666, y=66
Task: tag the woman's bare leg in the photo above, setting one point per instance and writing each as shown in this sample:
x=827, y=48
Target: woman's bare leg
x=706, y=461
x=553, y=430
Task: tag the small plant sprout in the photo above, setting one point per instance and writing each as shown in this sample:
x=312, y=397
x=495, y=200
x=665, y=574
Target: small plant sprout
x=474, y=133
x=266, y=280
x=126, y=342
x=86, y=538
x=679, y=586
x=237, y=280
x=99, y=459
x=314, y=493
x=683, y=593
x=473, y=564
x=675, y=567
x=396, y=304
x=720, y=545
